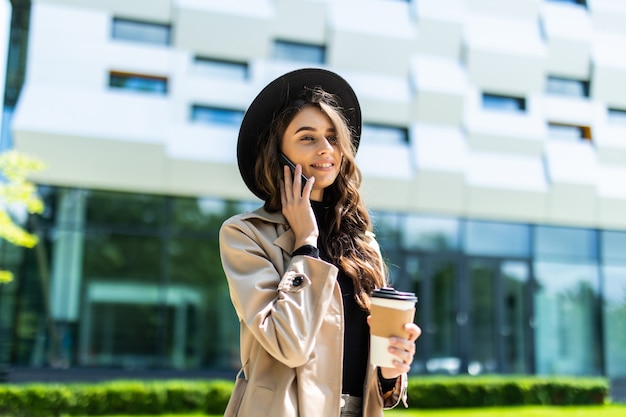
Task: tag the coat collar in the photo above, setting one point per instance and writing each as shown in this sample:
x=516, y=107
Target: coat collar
x=286, y=239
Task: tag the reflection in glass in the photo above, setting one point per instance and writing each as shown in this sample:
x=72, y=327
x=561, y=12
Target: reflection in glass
x=441, y=329
x=123, y=209
x=613, y=247
x=430, y=233
x=201, y=214
x=567, y=326
x=386, y=228
x=514, y=279
x=496, y=239
x=563, y=242
x=483, y=357
x=152, y=292
x=614, y=315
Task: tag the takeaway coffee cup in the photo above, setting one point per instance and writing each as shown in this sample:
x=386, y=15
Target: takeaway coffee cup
x=390, y=311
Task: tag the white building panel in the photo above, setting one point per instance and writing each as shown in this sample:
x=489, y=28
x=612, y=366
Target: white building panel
x=572, y=170
x=106, y=140
x=371, y=35
x=421, y=65
x=521, y=132
x=237, y=29
x=506, y=186
x=608, y=15
x=387, y=173
x=439, y=154
x=440, y=27
x=527, y=9
x=440, y=89
x=610, y=141
x=384, y=99
x=156, y=11
x=577, y=111
x=569, y=32
x=194, y=178
x=505, y=54
x=611, y=196
x=56, y=55
x=289, y=21
x=608, y=81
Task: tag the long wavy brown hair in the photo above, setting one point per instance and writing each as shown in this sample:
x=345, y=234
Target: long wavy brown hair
x=346, y=239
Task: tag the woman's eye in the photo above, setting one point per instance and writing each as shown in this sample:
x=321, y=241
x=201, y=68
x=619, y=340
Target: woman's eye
x=307, y=138
x=332, y=139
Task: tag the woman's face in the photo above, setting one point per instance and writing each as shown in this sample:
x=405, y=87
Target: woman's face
x=310, y=140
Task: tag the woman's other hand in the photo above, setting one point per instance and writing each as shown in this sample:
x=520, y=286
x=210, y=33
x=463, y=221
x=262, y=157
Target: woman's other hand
x=403, y=350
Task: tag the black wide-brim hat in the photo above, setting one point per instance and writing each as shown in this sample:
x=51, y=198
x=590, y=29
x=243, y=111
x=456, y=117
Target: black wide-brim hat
x=274, y=98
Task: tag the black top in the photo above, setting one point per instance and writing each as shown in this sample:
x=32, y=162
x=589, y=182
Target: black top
x=356, y=329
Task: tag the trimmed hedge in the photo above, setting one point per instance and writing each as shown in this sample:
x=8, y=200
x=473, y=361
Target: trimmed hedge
x=485, y=391
x=159, y=397
x=122, y=397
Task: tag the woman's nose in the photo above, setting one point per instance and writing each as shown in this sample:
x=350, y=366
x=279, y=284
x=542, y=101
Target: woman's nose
x=325, y=146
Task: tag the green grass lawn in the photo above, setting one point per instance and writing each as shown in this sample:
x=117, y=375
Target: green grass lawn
x=591, y=411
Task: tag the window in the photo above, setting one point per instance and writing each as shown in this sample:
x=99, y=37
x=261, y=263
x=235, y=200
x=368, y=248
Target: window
x=380, y=134
x=221, y=69
x=567, y=87
x=569, y=132
x=292, y=51
x=216, y=115
x=552, y=242
x=491, y=238
x=138, y=82
x=430, y=233
x=132, y=30
x=503, y=103
x=578, y=2
x=613, y=244
x=617, y=116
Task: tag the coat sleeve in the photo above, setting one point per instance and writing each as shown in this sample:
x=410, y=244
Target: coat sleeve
x=283, y=312
x=398, y=393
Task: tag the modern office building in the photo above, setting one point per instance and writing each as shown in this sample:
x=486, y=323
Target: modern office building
x=493, y=152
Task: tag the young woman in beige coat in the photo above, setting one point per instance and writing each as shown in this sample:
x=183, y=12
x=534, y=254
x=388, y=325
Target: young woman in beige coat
x=301, y=268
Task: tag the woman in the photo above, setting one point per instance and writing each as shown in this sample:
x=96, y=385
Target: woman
x=301, y=268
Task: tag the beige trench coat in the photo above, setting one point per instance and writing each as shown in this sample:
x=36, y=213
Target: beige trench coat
x=291, y=323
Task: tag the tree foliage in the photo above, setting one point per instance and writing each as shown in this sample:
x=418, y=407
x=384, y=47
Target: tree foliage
x=17, y=194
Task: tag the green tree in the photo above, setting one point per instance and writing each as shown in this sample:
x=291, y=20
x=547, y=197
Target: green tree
x=17, y=194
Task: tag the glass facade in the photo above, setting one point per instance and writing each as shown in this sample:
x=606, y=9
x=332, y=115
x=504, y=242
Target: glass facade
x=134, y=281
x=131, y=281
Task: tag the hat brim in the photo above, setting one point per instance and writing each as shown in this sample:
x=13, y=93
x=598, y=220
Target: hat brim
x=275, y=96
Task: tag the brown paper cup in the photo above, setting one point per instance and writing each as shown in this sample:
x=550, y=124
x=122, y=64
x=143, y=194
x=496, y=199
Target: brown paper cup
x=388, y=317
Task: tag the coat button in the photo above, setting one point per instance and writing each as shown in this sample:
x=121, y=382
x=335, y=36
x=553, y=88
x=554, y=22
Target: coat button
x=297, y=281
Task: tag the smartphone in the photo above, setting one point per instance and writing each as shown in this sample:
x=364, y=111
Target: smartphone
x=291, y=165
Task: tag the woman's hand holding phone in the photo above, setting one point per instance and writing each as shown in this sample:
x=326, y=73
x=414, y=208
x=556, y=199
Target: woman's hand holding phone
x=296, y=206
